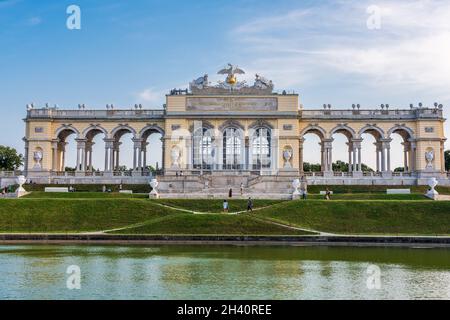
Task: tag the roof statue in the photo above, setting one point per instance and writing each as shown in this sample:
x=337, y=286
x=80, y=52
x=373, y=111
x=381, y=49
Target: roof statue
x=231, y=84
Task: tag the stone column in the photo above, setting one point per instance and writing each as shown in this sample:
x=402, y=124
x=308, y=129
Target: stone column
x=55, y=155
x=359, y=157
x=25, y=160
x=88, y=156
x=78, y=159
x=111, y=158
x=137, y=155
x=412, y=156
x=62, y=156
x=300, y=154
x=406, y=151
x=116, y=154
x=378, y=153
x=81, y=154
x=108, y=147
x=246, y=160
x=328, y=158
x=386, y=155
x=350, y=147
x=388, y=148
x=322, y=157
x=144, y=155
x=106, y=157
x=383, y=160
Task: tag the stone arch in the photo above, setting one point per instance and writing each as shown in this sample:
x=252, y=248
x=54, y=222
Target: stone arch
x=152, y=128
x=231, y=123
x=315, y=129
x=66, y=130
x=345, y=130
x=205, y=124
x=405, y=132
x=96, y=128
x=121, y=129
x=260, y=124
x=372, y=129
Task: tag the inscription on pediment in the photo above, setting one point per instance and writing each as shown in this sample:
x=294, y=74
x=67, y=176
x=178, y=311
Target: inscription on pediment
x=231, y=104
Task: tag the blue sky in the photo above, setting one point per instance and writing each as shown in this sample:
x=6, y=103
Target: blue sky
x=131, y=52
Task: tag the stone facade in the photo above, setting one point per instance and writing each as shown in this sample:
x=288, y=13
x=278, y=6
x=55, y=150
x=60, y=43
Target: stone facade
x=252, y=135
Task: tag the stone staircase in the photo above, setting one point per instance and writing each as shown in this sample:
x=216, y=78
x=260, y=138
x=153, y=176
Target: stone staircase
x=218, y=186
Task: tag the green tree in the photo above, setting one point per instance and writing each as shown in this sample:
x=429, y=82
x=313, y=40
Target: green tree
x=311, y=167
x=447, y=160
x=9, y=159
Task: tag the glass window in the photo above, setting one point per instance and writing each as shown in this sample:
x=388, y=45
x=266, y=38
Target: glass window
x=261, y=149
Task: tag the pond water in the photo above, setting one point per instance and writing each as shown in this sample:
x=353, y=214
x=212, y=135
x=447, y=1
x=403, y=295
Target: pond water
x=223, y=272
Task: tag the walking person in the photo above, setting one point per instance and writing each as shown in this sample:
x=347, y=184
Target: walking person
x=327, y=194
x=225, y=206
x=303, y=187
x=230, y=193
x=242, y=189
x=250, y=205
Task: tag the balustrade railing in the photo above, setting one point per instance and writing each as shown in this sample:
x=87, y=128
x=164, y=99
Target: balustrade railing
x=94, y=114
x=10, y=174
x=375, y=113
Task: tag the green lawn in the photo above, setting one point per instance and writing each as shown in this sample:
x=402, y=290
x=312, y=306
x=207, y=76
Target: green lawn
x=75, y=215
x=210, y=224
x=215, y=205
x=365, y=217
x=371, y=213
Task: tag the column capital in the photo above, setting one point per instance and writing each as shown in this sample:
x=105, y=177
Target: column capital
x=81, y=143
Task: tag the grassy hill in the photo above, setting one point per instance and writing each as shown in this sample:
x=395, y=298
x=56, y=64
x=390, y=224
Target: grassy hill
x=371, y=213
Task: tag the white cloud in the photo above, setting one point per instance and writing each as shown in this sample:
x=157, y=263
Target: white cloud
x=410, y=50
x=150, y=95
x=330, y=49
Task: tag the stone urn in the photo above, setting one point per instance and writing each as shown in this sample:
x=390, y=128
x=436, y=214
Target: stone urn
x=154, y=184
x=287, y=156
x=21, y=180
x=175, y=156
x=429, y=157
x=296, y=185
x=432, y=193
x=37, y=157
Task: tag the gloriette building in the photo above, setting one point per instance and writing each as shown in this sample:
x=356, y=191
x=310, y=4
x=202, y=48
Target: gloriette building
x=216, y=136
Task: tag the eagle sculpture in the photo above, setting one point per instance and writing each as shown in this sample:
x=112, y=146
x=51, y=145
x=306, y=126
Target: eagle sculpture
x=231, y=72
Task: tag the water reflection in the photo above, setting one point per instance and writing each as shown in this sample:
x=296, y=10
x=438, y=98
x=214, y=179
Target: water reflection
x=223, y=272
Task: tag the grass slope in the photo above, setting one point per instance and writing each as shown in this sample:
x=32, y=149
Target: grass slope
x=215, y=205
x=210, y=224
x=365, y=217
x=74, y=215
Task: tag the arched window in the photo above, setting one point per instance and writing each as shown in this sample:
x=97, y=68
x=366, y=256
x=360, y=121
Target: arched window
x=232, y=149
x=261, y=149
x=203, y=153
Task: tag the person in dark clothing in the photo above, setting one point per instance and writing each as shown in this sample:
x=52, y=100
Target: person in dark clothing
x=230, y=193
x=250, y=204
